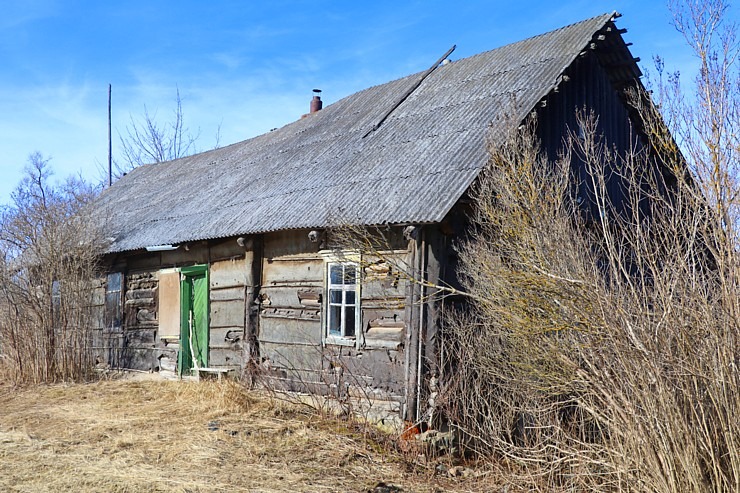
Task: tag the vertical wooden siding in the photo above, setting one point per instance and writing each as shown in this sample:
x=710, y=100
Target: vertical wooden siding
x=589, y=89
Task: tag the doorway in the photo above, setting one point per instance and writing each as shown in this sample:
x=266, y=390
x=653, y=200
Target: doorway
x=193, y=319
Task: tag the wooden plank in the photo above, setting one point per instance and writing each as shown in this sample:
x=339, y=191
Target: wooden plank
x=138, y=359
x=226, y=358
x=394, y=333
x=167, y=362
x=386, y=288
x=380, y=369
x=197, y=254
x=227, y=294
x=140, y=338
x=384, y=338
x=253, y=265
x=169, y=303
x=290, y=331
x=290, y=297
x=394, y=304
x=277, y=271
x=297, y=284
x=226, y=337
x=226, y=249
x=98, y=296
x=282, y=381
x=305, y=314
x=150, y=262
x=98, y=317
x=289, y=243
x=292, y=357
x=227, y=313
x=436, y=258
x=231, y=339
x=227, y=273
x=310, y=297
x=383, y=318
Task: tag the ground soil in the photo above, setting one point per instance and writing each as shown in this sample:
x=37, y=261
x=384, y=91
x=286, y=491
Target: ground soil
x=129, y=435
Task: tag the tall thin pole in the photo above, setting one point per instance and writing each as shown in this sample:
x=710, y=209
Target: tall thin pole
x=110, y=144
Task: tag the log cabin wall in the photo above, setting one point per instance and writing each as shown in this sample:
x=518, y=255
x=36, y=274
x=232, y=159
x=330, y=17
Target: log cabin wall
x=289, y=330
x=139, y=344
x=267, y=300
x=292, y=336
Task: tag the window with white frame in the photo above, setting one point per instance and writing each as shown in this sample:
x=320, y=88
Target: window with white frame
x=114, y=288
x=343, y=298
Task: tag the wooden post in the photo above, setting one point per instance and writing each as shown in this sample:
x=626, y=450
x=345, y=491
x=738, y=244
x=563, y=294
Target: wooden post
x=433, y=269
x=253, y=265
x=413, y=318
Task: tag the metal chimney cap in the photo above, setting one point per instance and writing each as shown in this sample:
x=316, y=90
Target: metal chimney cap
x=317, y=91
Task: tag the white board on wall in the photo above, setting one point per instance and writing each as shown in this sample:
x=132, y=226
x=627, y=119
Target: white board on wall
x=169, y=303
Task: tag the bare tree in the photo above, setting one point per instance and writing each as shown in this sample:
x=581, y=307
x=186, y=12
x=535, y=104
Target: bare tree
x=154, y=142
x=704, y=114
x=48, y=269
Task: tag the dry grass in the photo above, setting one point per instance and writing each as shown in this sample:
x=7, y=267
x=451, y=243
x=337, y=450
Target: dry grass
x=130, y=436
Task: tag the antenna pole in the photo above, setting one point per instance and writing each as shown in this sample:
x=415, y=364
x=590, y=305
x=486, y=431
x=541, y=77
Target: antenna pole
x=110, y=145
x=411, y=90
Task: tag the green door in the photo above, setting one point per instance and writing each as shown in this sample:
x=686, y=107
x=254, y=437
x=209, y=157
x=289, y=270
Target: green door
x=193, y=318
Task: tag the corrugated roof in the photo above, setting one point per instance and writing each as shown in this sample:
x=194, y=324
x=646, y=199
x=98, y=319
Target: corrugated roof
x=319, y=170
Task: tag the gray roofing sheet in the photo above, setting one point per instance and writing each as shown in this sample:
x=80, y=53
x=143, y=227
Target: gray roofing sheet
x=320, y=171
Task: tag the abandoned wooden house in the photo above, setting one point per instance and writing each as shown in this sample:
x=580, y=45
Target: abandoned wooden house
x=225, y=259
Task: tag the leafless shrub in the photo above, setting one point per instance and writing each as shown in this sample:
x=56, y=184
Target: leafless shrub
x=47, y=279
x=601, y=350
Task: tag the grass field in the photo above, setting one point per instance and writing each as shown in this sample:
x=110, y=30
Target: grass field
x=148, y=436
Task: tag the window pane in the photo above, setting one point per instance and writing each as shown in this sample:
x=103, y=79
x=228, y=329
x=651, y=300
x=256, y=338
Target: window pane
x=113, y=310
x=335, y=273
x=114, y=301
x=349, y=321
x=335, y=296
x=350, y=300
x=349, y=274
x=55, y=290
x=114, y=281
x=335, y=320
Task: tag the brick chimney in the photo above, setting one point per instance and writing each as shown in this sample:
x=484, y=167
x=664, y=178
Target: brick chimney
x=316, y=103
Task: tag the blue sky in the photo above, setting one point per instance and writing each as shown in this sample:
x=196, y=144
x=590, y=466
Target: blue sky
x=243, y=67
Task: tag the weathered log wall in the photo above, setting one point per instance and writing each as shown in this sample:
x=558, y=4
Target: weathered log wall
x=267, y=296
x=137, y=344
x=289, y=336
x=226, y=292
x=291, y=325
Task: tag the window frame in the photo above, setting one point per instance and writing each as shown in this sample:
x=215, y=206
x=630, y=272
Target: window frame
x=342, y=338
x=113, y=301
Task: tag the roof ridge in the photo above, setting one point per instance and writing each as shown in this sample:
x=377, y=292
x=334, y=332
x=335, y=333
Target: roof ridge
x=606, y=16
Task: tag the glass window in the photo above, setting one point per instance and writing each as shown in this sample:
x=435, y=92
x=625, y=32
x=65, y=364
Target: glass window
x=114, y=300
x=342, y=287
